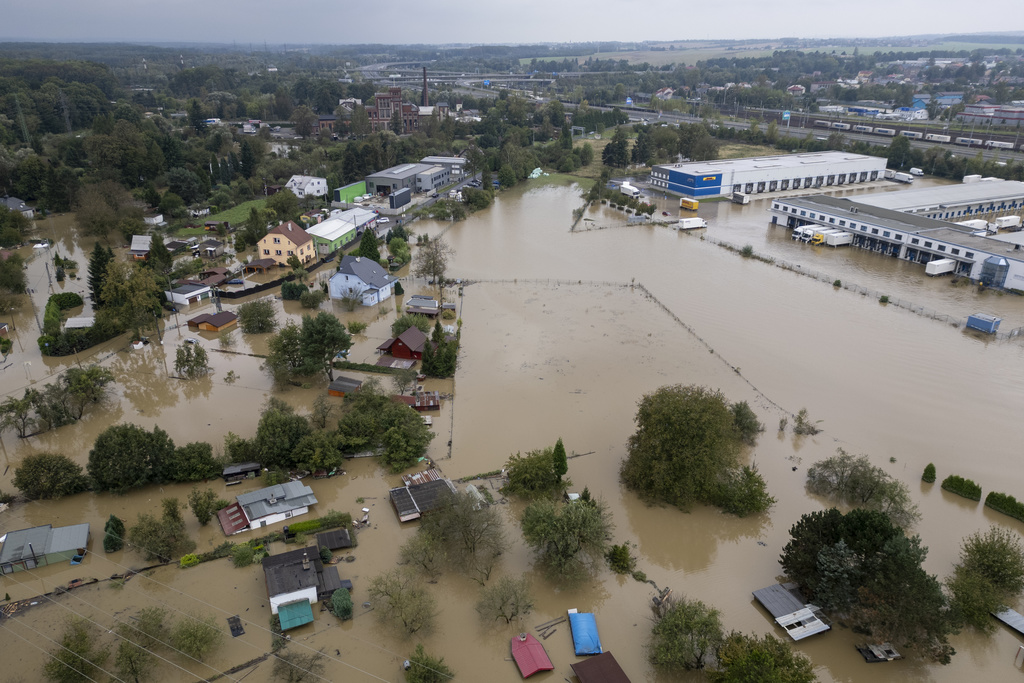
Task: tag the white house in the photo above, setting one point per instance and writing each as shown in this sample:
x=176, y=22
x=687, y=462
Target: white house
x=362, y=278
x=183, y=295
x=267, y=506
x=307, y=186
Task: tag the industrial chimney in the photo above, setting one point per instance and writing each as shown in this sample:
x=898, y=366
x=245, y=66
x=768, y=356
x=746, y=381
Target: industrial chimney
x=426, y=96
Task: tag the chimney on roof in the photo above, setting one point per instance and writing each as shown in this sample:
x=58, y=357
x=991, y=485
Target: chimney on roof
x=305, y=561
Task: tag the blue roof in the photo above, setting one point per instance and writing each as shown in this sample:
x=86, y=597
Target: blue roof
x=584, y=633
x=295, y=614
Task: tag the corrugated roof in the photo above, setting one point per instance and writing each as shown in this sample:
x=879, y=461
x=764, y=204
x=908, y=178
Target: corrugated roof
x=295, y=614
x=923, y=198
x=788, y=606
x=530, y=655
x=275, y=499
x=141, y=242
x=43, y=540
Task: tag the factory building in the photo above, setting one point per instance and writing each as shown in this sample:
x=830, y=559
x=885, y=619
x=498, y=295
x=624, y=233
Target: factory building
x=417, y=177
x=954, y=202
x=702, y=179
x=908, y=236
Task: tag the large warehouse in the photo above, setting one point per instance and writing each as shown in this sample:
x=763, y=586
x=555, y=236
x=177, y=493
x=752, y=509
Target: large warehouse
x=417, y=177
x=701, y=179
x=952, y=202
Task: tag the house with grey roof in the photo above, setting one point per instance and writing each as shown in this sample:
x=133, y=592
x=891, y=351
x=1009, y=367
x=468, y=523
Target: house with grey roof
x=19, y=205
x=188, y=293
x=42, y=545
x=296, y=580
x=362, y=279
x=266, y=506
x=141, y=244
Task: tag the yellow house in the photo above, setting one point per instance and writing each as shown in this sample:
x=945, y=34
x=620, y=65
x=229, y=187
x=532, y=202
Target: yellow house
x=287, y=239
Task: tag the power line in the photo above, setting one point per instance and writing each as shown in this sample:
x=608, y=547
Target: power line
x=63, y=647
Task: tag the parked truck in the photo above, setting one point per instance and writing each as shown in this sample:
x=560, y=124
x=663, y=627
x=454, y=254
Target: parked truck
x=940, y=266
x=740, y=198
x=821, y=235
x=1006, y=222
x=691, y=224
x=629, y=190
x=903, y=178
x=839, y=239
x=974, y=224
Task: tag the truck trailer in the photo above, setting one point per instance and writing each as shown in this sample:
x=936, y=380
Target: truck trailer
x=691, y=224
x=942, y=266
x=903, y=178
x=740, y=198
x=839, y=239
x=1006, y=222
x=629, y=190
x=974, y=224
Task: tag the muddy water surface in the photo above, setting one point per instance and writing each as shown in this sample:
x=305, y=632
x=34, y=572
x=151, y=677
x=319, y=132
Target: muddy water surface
x=560, y=339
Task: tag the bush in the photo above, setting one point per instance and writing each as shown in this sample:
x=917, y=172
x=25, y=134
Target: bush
x=189, y=560
x=620, y=559
x=304, y=527
x=746, y=422
x=341, y=604
x=837, y=283
x=929, y=474
x=884, y=299
x=325, y=554
x=355, y=327
x=1008, y=505
x=962, y=487
x=312, y=299
x=292, y=291
x=66, y=300
x=242, y=555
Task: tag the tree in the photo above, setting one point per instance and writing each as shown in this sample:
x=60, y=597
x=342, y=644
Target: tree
x=368, y=246
x=126, y=457
x=686, y=635
x=321, y=412
x=321, y=450
x=131, y=293
x=185, y=184
x=196, y=636
x=77, y=657
x=396, y=122
x=322, y=338
x=988, y=577
x=299, y=667
x=559, y=463
x=743, y=659
x=84, y=386
x=853, y=480
x=98, y=262
x=113, y=534
x=407, y=320
x=134, y=659
x=899, y=151
x=424, y=668
x=403, y=379
x=341, y=604
x=373, y=421
x=159, y=257
x=533, y=474
x=684, y=443
x=399, y=599
x=279, y=432
x=17, y=412
x=257, y=317
x=509, y=598
x=163, y=539
x=247, y=160
x=191, y=361
x=133, y=663
x=432, y=260
x=192, y=462
x=470, y=537
x=360, y=124
x=616, y=152
x=284, y=204
x=861, y=565
x=49, y=476
x=196, y=119
x=568, y=538
x=746, y=423
x=203, y=504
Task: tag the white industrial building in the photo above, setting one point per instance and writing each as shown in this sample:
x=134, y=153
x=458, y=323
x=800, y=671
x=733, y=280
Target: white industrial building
x=456, y=165
x=417, y=177
x=701, y=179
x=953, y=202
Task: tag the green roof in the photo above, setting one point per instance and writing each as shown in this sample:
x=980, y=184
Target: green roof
x=295, y=614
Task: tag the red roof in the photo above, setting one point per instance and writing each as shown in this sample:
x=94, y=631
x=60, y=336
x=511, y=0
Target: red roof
x=600, y=668
x=530, y=655
x=232, y=519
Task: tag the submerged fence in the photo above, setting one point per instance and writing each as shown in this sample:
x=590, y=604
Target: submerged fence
x=905, y=304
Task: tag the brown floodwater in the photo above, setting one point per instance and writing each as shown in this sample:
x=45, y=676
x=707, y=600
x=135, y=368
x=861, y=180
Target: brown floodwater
x=560, y=340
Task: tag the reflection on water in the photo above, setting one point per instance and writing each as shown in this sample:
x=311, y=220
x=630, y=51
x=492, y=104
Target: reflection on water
x=556, y=343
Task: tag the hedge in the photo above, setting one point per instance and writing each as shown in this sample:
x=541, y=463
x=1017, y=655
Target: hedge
x=962, y=487
x=929, y=474
x=332, y=520
x=66, y=300
x=1008, y=505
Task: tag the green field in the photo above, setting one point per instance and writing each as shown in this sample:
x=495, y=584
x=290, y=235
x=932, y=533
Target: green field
x=239, y=213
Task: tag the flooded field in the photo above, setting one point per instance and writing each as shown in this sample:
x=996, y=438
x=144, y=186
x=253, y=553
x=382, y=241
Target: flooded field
x=563, y=333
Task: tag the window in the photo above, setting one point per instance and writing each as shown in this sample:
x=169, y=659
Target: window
x=899, y=238
x=291, y=253
x=928, y=244
x=874, y=231
x=277, y=240
x=803, y=213
x=955, y=251
x=969, y=254
x=914, y=240
x=277, y=252
x=266, y=252
x=863, y=228
x=885, y=233
x=831, y=220
x=842, y=223
x=942, y=247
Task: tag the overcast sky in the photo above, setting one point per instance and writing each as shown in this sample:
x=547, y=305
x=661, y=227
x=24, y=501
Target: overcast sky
x=489, y=21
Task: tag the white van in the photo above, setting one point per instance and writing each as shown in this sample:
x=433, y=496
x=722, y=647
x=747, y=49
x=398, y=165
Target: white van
x=916, y=171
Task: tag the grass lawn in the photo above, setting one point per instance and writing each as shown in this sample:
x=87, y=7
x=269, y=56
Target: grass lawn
x=739, y=150
x=238, y=214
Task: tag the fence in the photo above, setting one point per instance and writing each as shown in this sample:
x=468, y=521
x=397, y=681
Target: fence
x=951, y=320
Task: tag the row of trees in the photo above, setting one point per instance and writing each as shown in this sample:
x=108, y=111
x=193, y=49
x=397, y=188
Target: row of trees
x=61, y=402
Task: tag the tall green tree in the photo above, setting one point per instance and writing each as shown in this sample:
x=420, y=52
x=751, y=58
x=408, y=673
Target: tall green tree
x=425, y=668
x=322, y=338
x=559, y=461
x=164, y=539
x=686, y=635
x=131, y=293
x=570, y=538
x=203, y=504
x=279, y=432
x=369, y=247
x=766, y=659
x=113, y=534
x=77, y=657
x=98, y=272
x=126, y=456
x=49, y=476
x=988, y=578
x=196, y=118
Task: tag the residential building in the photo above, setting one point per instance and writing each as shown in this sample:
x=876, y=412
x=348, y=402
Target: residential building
x=297, y=580
x=271, y=505
x=213, y=322
x=284, y=240
x=363, y=279
x=15, y=204
x=384, y=107
x=412, y=501
x=699, y=179
x=796, y=90
x=141, y=245
x=42, y=545
x=186, y=294
x=307, y=186
x=211, y=248
x=409, y=344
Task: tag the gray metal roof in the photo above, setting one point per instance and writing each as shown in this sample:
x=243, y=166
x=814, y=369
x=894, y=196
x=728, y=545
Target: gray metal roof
x=942, y=196
x=399, y=172
x=780, y=599
x=141, y=242
x=366, y=270
x=44, y=540
x=276, y=499
x=285, y=572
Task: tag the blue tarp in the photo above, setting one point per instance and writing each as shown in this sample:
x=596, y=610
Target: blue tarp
x=584, y=633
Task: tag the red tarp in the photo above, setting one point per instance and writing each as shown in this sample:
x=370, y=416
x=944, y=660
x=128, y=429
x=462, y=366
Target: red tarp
x=530, y=655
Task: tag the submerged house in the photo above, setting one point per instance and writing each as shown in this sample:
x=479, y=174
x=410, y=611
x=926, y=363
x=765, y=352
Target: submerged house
x=412, y=501
x=362, y=279
x=409, y=344
x=296, y=580
x=266, y=506
x=791, y=611
x=42, y=545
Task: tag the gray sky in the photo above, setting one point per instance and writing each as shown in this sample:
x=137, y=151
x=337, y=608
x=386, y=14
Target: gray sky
x=484, y=21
